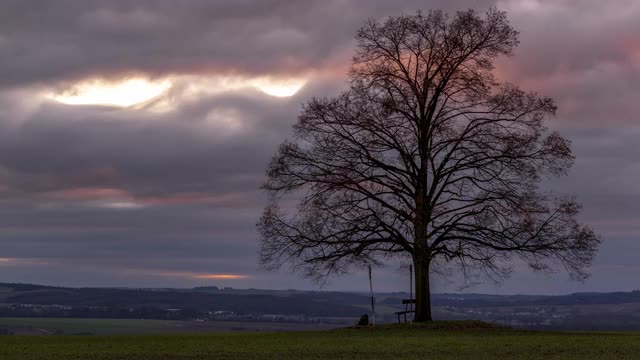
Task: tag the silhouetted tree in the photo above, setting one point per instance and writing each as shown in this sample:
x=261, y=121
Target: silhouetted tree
x=426, y=156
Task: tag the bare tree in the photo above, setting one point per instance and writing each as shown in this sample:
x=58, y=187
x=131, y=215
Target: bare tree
x=426, y=157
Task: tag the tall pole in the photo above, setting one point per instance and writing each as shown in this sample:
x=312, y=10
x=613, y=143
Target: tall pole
x=411, y=284
x=373, y=309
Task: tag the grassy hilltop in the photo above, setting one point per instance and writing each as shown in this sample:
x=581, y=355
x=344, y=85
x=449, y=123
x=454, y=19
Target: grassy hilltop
x=390, y=342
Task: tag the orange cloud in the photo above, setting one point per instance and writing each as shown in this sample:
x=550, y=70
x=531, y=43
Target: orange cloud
x=195, y=275
x=222, y=276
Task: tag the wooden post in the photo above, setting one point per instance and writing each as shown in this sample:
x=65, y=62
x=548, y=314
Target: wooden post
x=411, y=285
x=373, y=309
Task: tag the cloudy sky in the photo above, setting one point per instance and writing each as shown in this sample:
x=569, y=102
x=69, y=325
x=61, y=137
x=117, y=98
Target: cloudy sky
x=134, y=135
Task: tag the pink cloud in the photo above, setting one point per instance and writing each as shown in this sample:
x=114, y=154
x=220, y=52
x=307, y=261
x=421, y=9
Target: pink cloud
x=115, y=198
x=89, y=193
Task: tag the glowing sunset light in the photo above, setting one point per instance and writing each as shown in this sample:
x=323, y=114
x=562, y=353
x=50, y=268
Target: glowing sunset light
x=278, y=88
x=125, y=93
x=139, y=91
x=222, y=276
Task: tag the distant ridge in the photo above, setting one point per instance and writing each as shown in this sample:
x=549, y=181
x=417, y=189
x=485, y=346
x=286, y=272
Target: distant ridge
x=577, y=311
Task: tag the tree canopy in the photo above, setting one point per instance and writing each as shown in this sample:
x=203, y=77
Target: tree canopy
x=426, y=157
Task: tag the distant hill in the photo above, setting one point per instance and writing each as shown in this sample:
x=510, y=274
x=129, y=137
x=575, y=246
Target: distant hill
x=105, y=302
x=480, y=300
x=587, y=311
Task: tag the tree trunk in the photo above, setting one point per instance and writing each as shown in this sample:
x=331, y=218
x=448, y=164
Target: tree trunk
x=423, y=291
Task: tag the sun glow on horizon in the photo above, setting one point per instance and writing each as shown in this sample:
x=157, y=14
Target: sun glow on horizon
x=203, y=276
x=125, y=93
x=221, y=276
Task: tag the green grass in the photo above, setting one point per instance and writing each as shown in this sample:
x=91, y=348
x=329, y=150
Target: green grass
x=87, y=326
x=67, y=326
x=382, y=343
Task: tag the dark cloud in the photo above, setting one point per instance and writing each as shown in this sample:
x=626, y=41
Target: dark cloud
x=47, y=41
x=134, y=196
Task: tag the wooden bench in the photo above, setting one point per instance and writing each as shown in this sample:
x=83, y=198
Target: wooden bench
x=408, y=309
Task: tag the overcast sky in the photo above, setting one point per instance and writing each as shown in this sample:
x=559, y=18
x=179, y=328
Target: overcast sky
x=134, y=135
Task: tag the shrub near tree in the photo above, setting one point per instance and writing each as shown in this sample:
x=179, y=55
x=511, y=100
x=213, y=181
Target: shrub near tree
x=425, y=157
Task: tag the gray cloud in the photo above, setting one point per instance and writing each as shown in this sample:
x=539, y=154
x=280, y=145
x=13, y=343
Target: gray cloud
x=56, y=41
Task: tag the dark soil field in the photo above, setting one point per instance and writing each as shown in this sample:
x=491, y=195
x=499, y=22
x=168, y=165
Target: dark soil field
x=442, y=341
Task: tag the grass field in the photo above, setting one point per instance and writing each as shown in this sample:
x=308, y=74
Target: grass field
x=386, y=343
x=52, y=326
